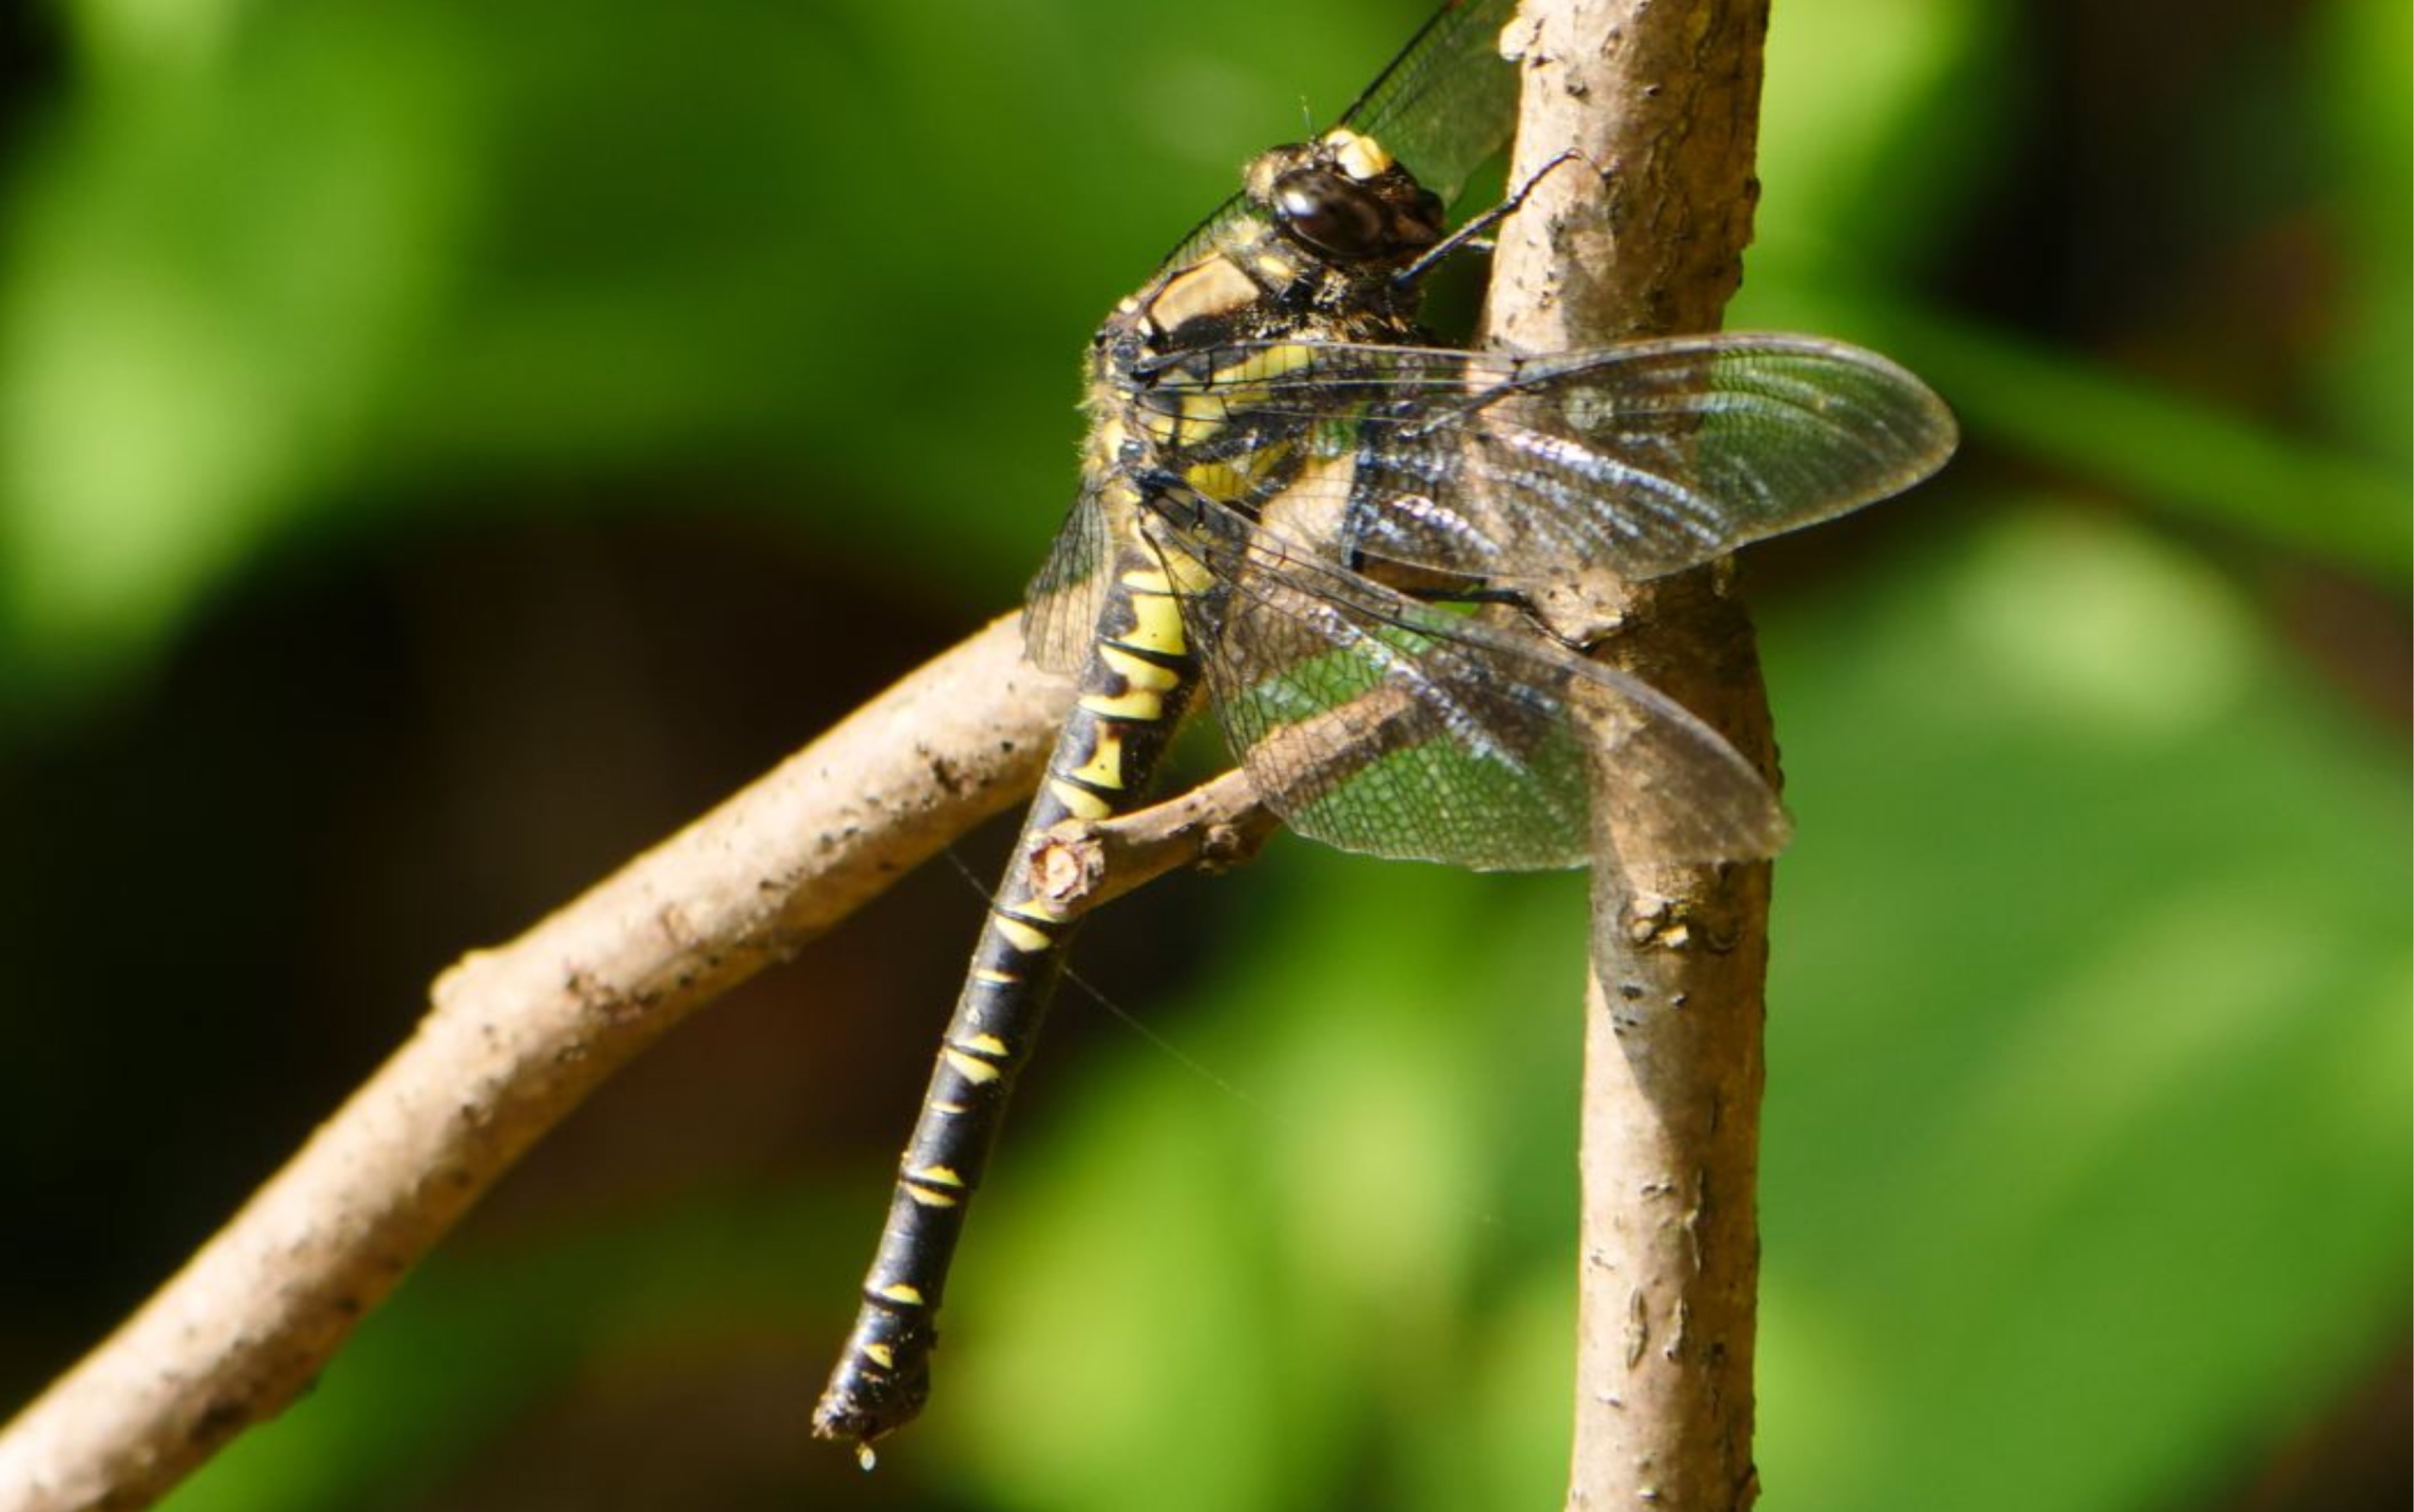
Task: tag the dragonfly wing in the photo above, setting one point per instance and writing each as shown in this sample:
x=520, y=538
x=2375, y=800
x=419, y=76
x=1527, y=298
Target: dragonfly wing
x=1387, y=726
x=1655, y=456
x=1449, y=101
x=1060, y=612
x=1647, y=457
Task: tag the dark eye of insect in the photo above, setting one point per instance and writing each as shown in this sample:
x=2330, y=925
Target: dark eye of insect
x=1329, y=212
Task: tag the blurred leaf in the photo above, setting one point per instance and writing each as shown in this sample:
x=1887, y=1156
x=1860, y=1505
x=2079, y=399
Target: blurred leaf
x=211, y=275
x=2364, y=99
x=1879, y=120
x=2089, y=1030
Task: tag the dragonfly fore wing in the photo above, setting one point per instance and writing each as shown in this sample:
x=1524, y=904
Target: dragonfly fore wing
x=1647, y=457
x=1655, y=456
x=1694, y=447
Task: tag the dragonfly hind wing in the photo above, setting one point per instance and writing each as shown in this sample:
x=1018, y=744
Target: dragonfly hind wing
x=1060, y=610
x=1387, y=726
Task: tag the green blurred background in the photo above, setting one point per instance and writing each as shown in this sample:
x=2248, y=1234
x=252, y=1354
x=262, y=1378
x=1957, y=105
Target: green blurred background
x=443, y=446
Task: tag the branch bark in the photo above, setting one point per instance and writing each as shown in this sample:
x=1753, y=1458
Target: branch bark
x=515, y=1036
x=1662, y=100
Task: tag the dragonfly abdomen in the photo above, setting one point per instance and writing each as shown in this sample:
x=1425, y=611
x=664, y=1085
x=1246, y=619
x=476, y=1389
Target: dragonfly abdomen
x=1138, y=680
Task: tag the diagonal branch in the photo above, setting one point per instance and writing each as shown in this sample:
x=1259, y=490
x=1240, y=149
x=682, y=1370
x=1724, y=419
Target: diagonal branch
x=515, y=1038
x=1662, y=100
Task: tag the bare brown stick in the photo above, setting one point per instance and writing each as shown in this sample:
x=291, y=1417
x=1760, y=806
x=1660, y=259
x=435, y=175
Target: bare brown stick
x=516, y=1036
x=1662, y=101
x=1080, y=866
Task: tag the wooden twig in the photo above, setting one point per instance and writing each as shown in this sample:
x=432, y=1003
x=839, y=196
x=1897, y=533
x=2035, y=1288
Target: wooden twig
x=1081, y=865
x=1078, y=866
x=515, y=1036
x=1661, y=100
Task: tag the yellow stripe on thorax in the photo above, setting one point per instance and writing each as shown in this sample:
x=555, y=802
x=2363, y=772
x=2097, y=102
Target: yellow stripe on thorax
x=1205, y=407
x=1231, y=482
x=1261, y=366
x=1214, y=286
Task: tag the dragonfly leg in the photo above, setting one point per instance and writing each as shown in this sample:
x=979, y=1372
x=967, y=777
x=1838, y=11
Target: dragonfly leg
x=1475, y=235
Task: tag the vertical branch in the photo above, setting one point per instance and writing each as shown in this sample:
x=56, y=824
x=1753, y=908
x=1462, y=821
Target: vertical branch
x=1660, y=99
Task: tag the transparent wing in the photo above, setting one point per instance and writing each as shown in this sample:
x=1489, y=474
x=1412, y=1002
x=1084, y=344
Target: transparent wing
x=1382, y=725
x=1449, y=101
x=1060, y=610
x=1645, y=458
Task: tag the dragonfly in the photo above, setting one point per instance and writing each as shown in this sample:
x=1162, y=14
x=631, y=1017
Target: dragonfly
x=1294, y=498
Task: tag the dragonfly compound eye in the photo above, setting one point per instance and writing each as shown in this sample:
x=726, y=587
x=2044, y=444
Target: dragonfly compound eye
x=1330, y=214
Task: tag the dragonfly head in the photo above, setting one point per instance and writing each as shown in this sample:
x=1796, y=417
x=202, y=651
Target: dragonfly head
x=1343, y=199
